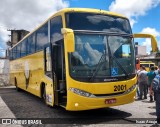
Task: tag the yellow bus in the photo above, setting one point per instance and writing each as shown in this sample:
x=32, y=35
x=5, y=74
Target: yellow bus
x=147, y=64
x=76, y=60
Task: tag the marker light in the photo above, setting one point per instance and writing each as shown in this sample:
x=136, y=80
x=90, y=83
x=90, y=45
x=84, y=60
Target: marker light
x=76, y=104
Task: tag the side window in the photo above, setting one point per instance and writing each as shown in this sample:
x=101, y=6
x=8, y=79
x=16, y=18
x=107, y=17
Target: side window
x=14, y=52
x=48, y=60
x=31, y=44
x=10, y=54
x=24, y=48
x=56, y=25
x=151, y=65
x=18, y=53
x=42, y=37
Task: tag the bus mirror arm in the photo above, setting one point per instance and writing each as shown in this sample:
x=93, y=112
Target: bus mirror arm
x=68, y=39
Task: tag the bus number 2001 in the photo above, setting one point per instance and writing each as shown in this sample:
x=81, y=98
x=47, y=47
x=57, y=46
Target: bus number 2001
x=120, y=88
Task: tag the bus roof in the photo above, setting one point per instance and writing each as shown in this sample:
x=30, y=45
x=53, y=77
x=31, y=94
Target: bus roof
x=65, y=10
x=98, y=11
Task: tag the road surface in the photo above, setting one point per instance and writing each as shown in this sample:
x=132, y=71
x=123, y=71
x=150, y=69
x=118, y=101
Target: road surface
x=26, y=106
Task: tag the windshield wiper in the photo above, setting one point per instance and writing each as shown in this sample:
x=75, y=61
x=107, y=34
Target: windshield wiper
x=98, y=66
x=113, y=57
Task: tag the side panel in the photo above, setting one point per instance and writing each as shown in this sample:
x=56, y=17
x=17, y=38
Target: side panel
x=29, y=74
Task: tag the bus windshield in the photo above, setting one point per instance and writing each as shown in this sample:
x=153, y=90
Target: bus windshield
x=105, y=55
x=97, y=22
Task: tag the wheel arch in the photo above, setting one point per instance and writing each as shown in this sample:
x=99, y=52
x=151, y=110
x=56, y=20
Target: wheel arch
x=42, y=88
x=15, y=81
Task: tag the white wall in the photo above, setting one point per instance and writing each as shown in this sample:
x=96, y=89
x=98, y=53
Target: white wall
x=4, y=66
x=4, y=72
x=142, y=50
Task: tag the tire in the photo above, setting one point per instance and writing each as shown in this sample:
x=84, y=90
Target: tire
x=17, y=88
x=44, y=94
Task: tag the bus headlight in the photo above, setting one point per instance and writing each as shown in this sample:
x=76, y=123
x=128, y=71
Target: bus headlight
x=130, y=89
x=81, y=92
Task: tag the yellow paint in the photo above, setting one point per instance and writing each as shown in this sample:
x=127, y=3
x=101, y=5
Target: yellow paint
x=147, y=64
x=153, y=40
x=74, y=101
x=36, y=76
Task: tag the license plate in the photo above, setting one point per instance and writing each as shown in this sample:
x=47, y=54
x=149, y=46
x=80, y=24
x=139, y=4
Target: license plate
x=110, y=101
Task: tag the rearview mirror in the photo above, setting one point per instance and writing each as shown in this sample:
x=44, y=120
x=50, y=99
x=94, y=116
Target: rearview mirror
x=68, y=39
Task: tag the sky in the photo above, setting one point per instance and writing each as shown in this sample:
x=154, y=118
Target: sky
x=144, y=15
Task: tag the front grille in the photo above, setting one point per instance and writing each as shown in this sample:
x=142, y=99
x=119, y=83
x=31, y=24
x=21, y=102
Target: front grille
x=111, y=94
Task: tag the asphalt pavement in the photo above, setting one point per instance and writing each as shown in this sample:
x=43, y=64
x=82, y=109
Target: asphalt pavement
x=15, y=104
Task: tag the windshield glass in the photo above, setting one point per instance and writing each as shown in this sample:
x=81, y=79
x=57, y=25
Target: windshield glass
x=97, y=22
x=101, y=55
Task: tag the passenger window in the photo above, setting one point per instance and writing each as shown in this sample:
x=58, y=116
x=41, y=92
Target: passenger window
x=24, y=48
x=42, y=37
x=56, y=25
x=31, y=44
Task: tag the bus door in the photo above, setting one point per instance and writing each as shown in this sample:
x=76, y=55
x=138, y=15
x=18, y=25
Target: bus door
x=47, y=59
x=58, y=62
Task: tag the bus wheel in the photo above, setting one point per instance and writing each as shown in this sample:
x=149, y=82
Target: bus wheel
x=44, y=93
x=18, y=89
